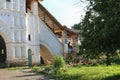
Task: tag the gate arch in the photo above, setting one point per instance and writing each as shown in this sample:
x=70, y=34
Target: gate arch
x=45, y=55
x=5, y=38
x=5, y=31
x=3, y=56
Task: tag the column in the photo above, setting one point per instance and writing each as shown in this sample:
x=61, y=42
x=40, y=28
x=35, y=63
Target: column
x=53, y=26
x=75, y=43
x=35, y=8
x=44, y=16
x=65, y=41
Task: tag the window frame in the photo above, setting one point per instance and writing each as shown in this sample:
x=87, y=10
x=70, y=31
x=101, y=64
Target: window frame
x=8, y=0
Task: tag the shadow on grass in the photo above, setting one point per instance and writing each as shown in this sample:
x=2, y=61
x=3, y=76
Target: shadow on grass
x=66, y=77
x=114, y=77
x=32, y=76
x=28, y=75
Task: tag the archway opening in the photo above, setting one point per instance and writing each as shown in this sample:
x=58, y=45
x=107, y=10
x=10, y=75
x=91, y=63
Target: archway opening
x=45, y=55
x=3, y=55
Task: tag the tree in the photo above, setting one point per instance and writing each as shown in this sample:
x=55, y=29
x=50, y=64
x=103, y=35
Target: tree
x=76, y=26
x=101, y=28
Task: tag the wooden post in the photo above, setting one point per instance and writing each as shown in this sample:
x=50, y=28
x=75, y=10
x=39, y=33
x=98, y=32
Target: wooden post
x=65, y=43
x=53, y=26
x=44, y=17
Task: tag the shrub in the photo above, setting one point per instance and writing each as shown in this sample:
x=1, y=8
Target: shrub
x=48, y=69
x=59, y=65
x=36, y=69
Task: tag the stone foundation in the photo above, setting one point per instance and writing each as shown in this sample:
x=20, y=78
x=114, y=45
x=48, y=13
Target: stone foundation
x=17, y=63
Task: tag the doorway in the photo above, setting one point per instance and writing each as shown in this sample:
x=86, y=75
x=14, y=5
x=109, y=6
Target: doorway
x=29, y=57
x=2, y=52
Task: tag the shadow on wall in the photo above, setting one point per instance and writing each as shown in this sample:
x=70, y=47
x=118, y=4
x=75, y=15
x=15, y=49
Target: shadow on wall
x=46, y=55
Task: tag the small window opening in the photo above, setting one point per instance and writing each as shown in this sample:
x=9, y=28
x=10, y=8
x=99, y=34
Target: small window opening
x=29, y=37
x=8, y=0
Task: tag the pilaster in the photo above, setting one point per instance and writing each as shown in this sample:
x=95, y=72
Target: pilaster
x=65, y=42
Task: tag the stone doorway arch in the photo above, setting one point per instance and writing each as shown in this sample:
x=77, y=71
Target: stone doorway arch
x=3, y=55
x=45, y=55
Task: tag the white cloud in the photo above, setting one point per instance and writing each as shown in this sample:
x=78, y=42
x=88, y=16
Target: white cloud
x=67, y=13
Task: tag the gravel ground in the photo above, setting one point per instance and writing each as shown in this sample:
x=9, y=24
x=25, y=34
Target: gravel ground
x=26, y=74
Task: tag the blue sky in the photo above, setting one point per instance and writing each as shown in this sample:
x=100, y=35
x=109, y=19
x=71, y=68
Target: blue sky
x=67, y=12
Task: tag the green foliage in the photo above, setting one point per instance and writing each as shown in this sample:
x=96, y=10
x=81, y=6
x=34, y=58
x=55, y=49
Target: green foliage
x=100, y=72
x=118, y=52
x=59, y=65
x=48, y=68
x=90, y=73
x=100, y=28
x=59, y=62
x=36, y=69
x=77, y=26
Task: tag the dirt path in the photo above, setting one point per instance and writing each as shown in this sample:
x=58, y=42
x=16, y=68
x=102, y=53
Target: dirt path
x=6, y=74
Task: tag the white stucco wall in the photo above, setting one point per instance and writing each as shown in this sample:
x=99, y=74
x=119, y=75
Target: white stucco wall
x=48, y=38
x=16, y=25
x=13, y=29
x=41, y=34
x=33, y=44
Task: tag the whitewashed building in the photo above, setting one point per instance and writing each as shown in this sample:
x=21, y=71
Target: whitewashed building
x=29, y=34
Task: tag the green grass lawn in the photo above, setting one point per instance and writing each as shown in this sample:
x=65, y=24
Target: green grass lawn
x=89, y=73
x=81, y=72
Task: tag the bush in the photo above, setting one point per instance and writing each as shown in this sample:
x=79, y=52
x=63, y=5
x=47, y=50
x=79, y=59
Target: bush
x=36, y=69
x=48, y=69
x=59, y=65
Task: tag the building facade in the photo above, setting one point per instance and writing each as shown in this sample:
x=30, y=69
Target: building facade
x=26, y=36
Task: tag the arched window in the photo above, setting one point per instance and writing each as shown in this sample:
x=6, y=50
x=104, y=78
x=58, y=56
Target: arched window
x=29, y=37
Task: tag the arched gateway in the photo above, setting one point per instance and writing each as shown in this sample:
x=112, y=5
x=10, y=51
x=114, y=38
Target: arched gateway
x=2, y=52
x=46, y=55
x=27, y=27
